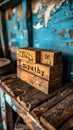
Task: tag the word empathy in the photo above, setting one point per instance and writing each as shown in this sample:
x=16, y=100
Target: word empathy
x=40, y=68
x=44, y=71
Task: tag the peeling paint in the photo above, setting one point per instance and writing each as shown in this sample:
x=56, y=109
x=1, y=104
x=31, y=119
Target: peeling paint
x=51, y=7
x=36, y=6
x=47, y=13
x=38, y=26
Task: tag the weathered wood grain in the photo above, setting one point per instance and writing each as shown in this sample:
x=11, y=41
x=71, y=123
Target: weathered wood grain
x=51, y=57
x=38, y=111
x=68, y=125
x=44, y=71
x=28, y=54
x=31, y=100
x=60, y=113
x=39, y=83
x=47, y=125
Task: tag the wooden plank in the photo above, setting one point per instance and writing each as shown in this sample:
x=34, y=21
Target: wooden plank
x=16, y=87
x=68, y=125
x=25, y=94
x=28, y=54
x=22, y=112
x=60, y=113
x=39, y=83
x=51, y=57
x=48, y=126
x=44, y=71
x=38, y=111
x=32, y=99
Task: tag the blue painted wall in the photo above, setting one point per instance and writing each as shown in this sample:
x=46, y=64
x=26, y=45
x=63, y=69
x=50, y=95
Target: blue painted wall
x=17, y=29
x=57, y=35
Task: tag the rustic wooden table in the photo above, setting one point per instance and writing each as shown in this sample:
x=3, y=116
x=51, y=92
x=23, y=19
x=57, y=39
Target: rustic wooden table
x=38, y=110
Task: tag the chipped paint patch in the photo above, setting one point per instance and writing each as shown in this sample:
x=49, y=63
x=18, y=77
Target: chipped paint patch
x=52, y=6
x=71, y=33
x=63, y=32
x=36, y=6
x=38, y=26
x=71, y=43
x=47, y=13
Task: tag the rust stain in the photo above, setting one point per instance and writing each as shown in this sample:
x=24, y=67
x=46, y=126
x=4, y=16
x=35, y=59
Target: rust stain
x=63, y=32
x=71, y=43
x=71, y=33
x=19, y=9
x=9, y=14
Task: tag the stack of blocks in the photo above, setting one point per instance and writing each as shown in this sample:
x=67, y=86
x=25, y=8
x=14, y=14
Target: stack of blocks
x=41, y=69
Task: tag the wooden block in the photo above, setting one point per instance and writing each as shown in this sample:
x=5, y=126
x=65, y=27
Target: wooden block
x=51, y=57
x=44, y=71
x=28, y=54
x=39, y=83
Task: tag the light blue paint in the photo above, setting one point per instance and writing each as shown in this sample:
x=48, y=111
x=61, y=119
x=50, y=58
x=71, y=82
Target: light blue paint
x=11, y=102
x=3, y=109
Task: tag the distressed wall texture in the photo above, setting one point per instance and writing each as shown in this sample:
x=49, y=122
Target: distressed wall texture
x=53, y=28
x=17, y=26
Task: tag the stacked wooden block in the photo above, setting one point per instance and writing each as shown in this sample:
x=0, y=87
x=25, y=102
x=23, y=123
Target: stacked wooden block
x=41, y=69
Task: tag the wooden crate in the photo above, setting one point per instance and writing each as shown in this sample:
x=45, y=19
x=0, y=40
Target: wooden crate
x=51, y=57
x=44, y=71
x=39, y=83
x=28, y=54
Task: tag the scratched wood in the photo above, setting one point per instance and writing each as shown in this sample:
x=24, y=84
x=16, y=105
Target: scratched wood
x=68, y=125
x=15, y=86
x=59, y=105
x=60, y=113
x=44, y=71
x=51, y=57
x=25, y=94
x=62, y=94
x=39, y=83
x=28, y=54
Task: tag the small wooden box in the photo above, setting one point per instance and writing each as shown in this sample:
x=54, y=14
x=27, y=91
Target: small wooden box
x=39, y=83
x=28, y=54
x=51, y=57
x=44, y=71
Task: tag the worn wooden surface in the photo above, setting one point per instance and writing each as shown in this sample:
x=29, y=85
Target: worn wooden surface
x=29, y=54
x=60, y=113
x=51, y=111
x=44, y=71
x=39, y=83
x=62, y=93
x=51, y=57
x=68, y=125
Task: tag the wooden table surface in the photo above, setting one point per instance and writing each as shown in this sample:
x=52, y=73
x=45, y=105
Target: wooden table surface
x=38, y=110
